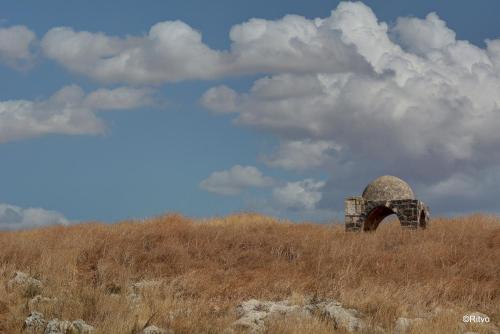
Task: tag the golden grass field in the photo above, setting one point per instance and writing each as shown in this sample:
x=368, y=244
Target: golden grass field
x=207, y=267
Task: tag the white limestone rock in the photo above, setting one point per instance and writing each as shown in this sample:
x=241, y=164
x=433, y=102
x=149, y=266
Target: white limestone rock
x=348, y=319
x=254, y=313
x=82, y=327
x=34, y=323
x=20, y=279
x=56, y=326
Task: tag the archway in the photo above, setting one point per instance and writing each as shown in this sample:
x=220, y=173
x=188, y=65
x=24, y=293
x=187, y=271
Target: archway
x=376, y=216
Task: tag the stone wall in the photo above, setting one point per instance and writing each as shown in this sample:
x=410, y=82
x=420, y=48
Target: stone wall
x=361, y=214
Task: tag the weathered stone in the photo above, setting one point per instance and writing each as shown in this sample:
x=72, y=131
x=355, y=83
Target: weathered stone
x=82, y=327
x=384, y=196
x=254, y=313
x=24, y=280
x=34, y=323
x=56, y=326
x=387, y=188
x=347, y=319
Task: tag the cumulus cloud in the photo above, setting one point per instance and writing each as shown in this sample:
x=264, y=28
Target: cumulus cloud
x=427, y=110
x=423, y=36
x=69, y=111
x=235, y=180
x=300, y=195
x=16, y=44
x=14, y=218
x=301, y=154
x=220, y=99
x=174, y=51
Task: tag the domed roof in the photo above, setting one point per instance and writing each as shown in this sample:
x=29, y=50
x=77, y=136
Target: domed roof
x=386, y=188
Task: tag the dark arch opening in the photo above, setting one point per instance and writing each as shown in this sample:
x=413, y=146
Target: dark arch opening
x=422, y=221
x=376, y=216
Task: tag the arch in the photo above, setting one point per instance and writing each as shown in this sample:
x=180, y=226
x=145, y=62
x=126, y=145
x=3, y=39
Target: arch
x=375, y=216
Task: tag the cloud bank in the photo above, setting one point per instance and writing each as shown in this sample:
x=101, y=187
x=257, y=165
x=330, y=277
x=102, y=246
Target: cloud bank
x=235, y=180
x=427, y=107
x=346, y=94
x=16, y=46
x=173, y=51
x=69, y=111
x=15, y=218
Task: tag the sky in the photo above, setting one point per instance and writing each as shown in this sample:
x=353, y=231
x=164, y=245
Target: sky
x=121, y=110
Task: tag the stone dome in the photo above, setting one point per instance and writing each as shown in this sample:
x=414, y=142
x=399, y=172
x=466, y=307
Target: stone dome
x=386, y=188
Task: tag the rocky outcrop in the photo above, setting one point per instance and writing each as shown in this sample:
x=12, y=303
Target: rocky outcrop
x=347, y=319
x=253, y=314
x=21, y=279
x=35, y=323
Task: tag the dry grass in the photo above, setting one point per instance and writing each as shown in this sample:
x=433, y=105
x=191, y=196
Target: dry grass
x=208, y=267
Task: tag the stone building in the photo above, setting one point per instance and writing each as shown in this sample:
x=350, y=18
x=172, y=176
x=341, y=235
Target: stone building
x=385, y=196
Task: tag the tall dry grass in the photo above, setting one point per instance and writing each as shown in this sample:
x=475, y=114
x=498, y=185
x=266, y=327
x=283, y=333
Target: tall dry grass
x=209, y=266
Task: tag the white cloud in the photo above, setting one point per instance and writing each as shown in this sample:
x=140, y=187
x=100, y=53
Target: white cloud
x=301, y=154
x=235, y=180
x=429, y=109
x=118, y=98
x=16, y=45
x=14, y=218
x=423, y=36
x=301, y=195
x=174, y=51
x=220, y=99
x=68, y=111
x=409, y=99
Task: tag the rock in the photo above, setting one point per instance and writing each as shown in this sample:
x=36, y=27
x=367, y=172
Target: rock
x=404, y=324
x=56, y=326
x=23, y=279
x=253, y=314
x=34, y=323
x=82, y=327
x=347, y=319
x=156, y=330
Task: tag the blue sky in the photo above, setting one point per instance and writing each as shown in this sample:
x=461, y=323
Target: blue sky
x=264, y=115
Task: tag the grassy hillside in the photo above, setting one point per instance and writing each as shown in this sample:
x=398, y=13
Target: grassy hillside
x=205, y=268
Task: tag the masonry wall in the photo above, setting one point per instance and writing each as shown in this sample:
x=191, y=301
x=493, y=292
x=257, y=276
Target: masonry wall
x=357, y=210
